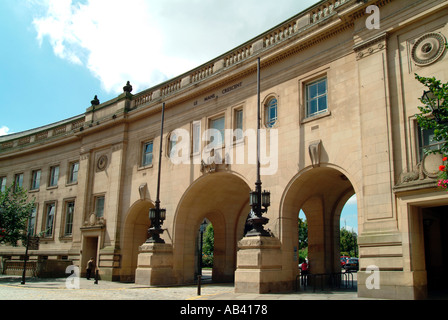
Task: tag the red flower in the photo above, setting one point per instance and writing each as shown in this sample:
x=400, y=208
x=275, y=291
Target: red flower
x=445, y=158
x=442, y=168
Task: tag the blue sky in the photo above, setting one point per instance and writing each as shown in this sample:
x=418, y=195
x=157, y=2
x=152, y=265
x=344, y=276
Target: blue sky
x=56, y=55
x=349, y=215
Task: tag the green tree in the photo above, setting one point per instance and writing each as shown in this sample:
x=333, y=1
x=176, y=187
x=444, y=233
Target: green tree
x=427, y=119
x=348, y=243
x=15, y=210
x=303, y=239
x=303, y=233
x=436, y=120
x=208, y=246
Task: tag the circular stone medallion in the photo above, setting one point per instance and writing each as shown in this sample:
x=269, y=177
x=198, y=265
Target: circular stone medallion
x=428, y=49
x=102, y=162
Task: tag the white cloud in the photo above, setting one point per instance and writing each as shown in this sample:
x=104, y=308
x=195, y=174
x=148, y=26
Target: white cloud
x=148, y=41
x=4, y=131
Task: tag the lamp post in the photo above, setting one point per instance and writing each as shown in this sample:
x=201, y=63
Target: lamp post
x=259, y=200
x=157, y=215
x=201, y=229
x=433, y=102
x=27, y=247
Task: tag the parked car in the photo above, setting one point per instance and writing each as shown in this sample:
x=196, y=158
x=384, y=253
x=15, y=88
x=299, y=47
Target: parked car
x=344, y=260
x=351, y=264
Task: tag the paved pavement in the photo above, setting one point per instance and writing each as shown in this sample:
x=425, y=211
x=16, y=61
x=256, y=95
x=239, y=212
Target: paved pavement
x=56, y=289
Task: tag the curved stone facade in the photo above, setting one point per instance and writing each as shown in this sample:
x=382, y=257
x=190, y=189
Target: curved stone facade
x=344, y=124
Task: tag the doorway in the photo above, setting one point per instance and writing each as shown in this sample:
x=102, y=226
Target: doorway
x=435, y=235
x=90, y=250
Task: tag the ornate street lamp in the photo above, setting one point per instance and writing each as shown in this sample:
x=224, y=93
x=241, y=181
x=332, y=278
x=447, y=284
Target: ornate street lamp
x=157, y=215
x=258, y=200
x=434, y=103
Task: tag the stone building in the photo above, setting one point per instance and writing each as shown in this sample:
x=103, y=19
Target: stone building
x=338, y=99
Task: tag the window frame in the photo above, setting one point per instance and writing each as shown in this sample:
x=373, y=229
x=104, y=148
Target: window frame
x=210, y=121
x=21, y=178
x=420, y=146
x=2, y=183
x=51, y=182
x=171, y=145
x=196, y=138
x=308, y=100
x=95, y=205
x=267, y=106
x=144, y=153
x=45, y=220
x=66, y=221
x=238, y=124
x=32, y=227
x=72, y=178
x=33, y=186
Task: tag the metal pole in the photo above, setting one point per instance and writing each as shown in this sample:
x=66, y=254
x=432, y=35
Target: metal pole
x=199, y=284
x=155, y=229
x=258, y=183
x=26, y=258
x=27, y=246
x=159, y=170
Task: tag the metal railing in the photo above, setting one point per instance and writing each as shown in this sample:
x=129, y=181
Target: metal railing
x=336, y=280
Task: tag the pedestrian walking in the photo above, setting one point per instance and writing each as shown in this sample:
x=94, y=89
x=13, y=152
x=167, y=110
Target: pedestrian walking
x=90, y=267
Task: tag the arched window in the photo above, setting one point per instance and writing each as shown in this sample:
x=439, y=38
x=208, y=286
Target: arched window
x=270, y=112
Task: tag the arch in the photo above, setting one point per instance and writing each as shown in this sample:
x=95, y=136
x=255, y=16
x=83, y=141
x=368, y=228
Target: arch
x=135, y=234
x=321, y=193
x=222, y=198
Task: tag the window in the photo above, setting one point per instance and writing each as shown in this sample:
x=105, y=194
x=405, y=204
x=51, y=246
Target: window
x=99, y=206
x=196, y=137
x=316, y=97
x=69, y=211
x=147, y=153
x=18, y=181
x=35, y=182
x=32, y=222
x=172, y=144
x=73, y=174
x=238, y=126
x=216, y=139
x=426, y=142
x=270, y=111
x=2, y=184
x=54, y=176
x=49, y=219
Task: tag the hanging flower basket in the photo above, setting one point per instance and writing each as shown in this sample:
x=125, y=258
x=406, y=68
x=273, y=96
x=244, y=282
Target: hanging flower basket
x=443, y=174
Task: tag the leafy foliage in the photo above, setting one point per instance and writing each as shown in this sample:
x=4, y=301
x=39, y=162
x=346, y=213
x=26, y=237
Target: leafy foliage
x=15, y=211
x=208, y=246
x=348, y=243
x=303, y=233
x=426, y=120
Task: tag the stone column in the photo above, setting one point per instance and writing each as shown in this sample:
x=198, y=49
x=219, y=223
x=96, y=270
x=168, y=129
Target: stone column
x=155, y=265
x=259, y=266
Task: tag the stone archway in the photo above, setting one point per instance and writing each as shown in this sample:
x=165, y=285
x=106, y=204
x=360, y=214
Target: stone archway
x=321, y=193
x=223, y=198
x=135, y=233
